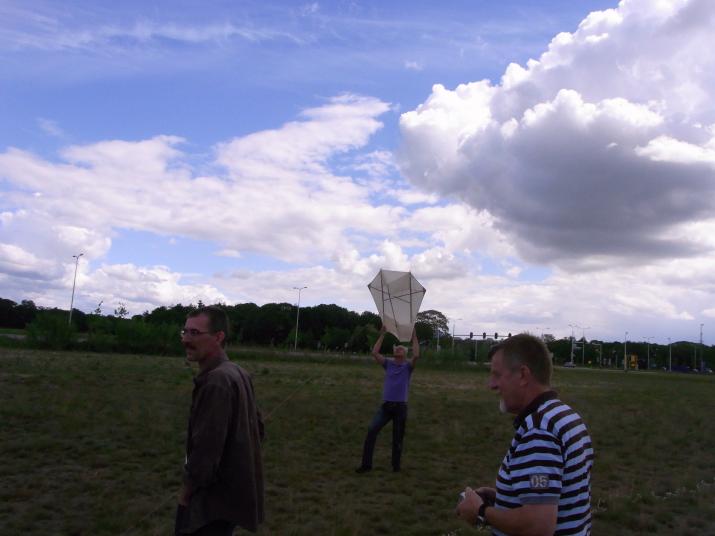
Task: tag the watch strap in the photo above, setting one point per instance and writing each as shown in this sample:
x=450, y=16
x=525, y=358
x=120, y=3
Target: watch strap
x=481, y=515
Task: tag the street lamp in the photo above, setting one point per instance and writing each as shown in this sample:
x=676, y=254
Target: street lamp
x=647, y=340
x=572, y=326
x=583, y=344
x=74, y=283
x=701, y=347
x=670, y=356
x=297, y=317
x=600, y=352
x=625, y=353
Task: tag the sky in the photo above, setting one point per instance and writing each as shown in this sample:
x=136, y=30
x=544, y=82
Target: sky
x=539, y=166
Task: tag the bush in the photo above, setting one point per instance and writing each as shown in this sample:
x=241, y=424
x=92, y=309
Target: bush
x=50, y=330
x=136, y=336
x=11, y=342
x=100, y=336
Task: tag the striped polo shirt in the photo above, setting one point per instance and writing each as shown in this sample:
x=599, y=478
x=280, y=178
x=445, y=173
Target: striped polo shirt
x=549, y=462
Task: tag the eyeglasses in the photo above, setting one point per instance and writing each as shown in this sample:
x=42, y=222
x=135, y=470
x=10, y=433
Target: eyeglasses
x=192, y=332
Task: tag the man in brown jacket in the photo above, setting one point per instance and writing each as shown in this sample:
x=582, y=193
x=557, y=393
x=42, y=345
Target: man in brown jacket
x=223, y=473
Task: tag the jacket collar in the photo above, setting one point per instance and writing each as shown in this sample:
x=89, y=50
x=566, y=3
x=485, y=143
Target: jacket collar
x=212, y=364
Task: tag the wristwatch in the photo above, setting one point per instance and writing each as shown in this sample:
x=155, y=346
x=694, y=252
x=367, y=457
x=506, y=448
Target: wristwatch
x=481, y=515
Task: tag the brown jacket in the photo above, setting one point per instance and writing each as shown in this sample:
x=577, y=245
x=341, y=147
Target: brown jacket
x=223, y=449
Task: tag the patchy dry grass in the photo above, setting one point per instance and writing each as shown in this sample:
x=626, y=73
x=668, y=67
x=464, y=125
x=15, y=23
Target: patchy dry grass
x=93, y=444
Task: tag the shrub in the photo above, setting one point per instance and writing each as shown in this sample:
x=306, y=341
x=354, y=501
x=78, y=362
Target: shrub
x=137, y=336
x=50, y=330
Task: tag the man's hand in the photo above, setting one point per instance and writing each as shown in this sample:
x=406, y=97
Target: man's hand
x=468, y=509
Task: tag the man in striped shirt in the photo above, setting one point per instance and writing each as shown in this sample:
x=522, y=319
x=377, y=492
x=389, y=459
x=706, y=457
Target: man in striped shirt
x=544, y=483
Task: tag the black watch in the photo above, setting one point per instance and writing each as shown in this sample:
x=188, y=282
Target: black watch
x=481, y=515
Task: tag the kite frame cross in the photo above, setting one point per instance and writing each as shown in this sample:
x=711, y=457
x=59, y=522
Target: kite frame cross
x=387, y=296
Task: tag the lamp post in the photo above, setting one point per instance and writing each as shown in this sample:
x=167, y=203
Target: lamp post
x=583, y=345
x=74, y=283
x=701, y=347
x=625, y=353
x=572, y=326
x=647, y=341
x=600, y=352
x=297, y=318
x=670, y=356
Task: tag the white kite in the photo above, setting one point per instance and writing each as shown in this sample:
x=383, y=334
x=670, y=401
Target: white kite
x=398, y=296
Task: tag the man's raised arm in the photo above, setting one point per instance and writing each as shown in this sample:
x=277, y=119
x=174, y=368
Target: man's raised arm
x=376, y=355
x=415, y=348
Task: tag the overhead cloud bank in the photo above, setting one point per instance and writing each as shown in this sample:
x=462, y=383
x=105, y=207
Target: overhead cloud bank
x=599, y=152
x=304, y=193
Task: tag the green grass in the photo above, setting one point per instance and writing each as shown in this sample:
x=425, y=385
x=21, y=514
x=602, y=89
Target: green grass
x=93, y=445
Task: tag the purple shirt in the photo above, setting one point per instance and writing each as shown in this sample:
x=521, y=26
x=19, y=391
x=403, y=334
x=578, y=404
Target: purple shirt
x=397, y=381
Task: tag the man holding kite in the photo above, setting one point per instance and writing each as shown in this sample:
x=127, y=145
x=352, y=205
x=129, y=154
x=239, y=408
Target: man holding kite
x=398, y=372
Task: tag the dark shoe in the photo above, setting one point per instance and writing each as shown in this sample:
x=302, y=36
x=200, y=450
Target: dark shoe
x=395, y=469
x=362, y=469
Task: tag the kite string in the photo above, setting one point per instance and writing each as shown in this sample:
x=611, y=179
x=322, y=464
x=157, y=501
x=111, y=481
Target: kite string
x=296, y=391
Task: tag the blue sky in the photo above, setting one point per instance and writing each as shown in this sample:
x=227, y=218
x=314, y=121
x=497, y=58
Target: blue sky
x=87, y=65
x=232, y=150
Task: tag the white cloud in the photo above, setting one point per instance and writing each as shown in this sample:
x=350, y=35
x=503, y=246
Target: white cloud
x=460, y=228
x=51, y=35
x=273, y=193
x=413, y=65
x=50, y=127
x=592, y=154
x=411, y=196
x=278, y=196
x=667, y=149
x=376, y=164
x=345, y=123
x=139, y=288
x=229, y=253
x=142, y=288
x=646, y=301
x=16, y=261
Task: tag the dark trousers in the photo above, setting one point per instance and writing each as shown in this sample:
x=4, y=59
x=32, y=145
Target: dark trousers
x=389, y=411
x=215, y=528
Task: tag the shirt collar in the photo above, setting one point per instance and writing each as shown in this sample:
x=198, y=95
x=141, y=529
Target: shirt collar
x=532, y=407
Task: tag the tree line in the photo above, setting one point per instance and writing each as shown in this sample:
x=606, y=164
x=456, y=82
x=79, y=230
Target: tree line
x=321, y=328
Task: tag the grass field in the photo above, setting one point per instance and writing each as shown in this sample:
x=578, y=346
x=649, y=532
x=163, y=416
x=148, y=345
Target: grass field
x=93, y=444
